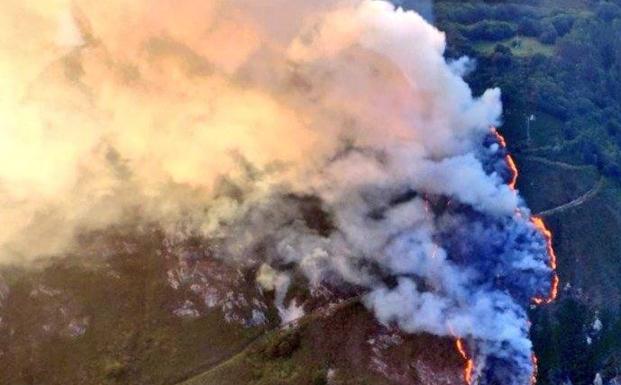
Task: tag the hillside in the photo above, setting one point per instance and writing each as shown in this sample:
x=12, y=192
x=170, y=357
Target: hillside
x=559, y=62
x=192, y=263
x=149, y=310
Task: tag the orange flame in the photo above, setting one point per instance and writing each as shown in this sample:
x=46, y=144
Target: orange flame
x=543, y=229
x=533, y=376
x=469, y=369
x=508, y=159
x=500, y=138
x=514, y=171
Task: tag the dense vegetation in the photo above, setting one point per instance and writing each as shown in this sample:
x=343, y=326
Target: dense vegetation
x=577, y=82
x=559, y=66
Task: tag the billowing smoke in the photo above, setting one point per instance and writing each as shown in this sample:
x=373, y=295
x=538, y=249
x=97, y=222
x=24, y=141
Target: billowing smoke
x=329, y=138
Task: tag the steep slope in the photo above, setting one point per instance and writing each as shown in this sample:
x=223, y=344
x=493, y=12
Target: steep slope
x=558, y=65
x=149, y=310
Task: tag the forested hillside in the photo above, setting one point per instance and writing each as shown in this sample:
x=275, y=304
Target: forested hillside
x=559, y=66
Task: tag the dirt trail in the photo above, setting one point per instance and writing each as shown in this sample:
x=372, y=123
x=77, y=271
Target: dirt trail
x=576, y=202
x=531, y=150
x=564, y=165
x=198, y=373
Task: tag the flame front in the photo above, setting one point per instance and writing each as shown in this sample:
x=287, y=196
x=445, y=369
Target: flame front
x=543, y=229
x=469, y=369
x=514, y=171
x=501, y=139
x=533, y=377
x=502, y=142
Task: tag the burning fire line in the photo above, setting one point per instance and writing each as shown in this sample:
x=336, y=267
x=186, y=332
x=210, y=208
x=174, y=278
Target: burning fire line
x=501, y=139
x=533, y=376
x=508, y=159
x=537, y=222
x=543, y=229
x=469, y=369
x=514, y=171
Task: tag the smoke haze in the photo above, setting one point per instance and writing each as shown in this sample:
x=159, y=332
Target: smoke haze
x=329, y=137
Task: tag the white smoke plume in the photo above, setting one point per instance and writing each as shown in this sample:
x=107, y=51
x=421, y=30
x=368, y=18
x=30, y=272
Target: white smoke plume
x=326, y=137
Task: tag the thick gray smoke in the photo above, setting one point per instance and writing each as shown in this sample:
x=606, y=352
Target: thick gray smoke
x=327, y=138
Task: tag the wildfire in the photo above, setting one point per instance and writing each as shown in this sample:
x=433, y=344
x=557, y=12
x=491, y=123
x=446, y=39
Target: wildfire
x=533, y=376
x=508, y=159
x=514, y=171
x=538, y=222
x=469, y=369
x=501, y=139
x=543, y=229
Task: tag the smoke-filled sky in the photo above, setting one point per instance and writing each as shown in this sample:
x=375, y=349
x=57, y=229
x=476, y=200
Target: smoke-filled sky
x=245, y=118
x=177, y=92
